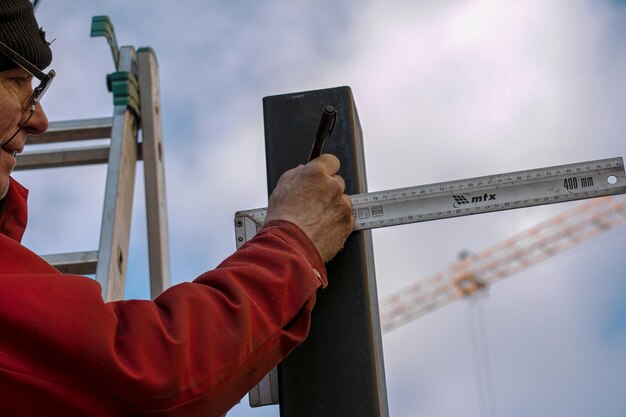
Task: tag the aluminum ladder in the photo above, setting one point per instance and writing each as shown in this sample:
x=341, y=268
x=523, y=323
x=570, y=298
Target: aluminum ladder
x=135, y=88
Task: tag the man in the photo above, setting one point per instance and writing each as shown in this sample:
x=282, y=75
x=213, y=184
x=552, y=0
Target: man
x=197, y=348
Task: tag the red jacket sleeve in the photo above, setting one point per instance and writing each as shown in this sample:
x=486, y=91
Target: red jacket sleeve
x=193, y=351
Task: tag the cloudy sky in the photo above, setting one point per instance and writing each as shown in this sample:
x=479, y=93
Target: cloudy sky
x=445, y=90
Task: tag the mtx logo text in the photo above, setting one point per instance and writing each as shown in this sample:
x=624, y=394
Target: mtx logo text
x=460, y=200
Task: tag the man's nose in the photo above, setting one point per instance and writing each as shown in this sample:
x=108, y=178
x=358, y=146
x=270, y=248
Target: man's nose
x=38, y=123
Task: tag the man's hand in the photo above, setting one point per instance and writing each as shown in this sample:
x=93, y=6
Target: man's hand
x=311, y=196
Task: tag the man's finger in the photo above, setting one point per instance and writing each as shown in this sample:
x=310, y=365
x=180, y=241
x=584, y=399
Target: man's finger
x=341, y=181
x=329, y=164
x=290, y=174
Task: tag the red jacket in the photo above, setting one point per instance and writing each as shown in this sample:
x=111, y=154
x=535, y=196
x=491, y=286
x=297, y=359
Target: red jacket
x=194, y=351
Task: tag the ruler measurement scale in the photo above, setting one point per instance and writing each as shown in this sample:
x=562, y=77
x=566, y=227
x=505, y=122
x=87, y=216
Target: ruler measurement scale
x=471, y=196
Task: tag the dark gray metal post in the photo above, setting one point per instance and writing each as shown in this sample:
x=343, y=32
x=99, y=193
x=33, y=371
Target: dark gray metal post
x=338, y=371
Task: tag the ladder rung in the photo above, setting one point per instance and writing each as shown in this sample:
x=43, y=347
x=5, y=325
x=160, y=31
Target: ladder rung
x=56, y=158
x=53, y=158
x=80, y=263
x=70, y=130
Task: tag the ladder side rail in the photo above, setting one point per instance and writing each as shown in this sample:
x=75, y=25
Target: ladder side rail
x=154, y=171
x=118, y=199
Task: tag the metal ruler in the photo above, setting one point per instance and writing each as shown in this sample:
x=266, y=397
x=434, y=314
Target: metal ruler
x=486, y=194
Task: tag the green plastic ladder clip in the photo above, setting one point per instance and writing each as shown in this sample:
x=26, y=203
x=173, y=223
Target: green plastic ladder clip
x=102, y=26
x=125, y=89
x=122, y=84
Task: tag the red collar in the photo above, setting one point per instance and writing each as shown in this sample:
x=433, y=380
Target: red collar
x=14, y=217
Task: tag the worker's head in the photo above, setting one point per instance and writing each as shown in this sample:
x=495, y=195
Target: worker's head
x=24, y=53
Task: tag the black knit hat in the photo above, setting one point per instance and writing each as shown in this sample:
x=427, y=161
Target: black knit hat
x=20, y=31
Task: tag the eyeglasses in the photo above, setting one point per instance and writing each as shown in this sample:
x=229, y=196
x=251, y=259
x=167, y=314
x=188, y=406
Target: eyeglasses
x=45, y=79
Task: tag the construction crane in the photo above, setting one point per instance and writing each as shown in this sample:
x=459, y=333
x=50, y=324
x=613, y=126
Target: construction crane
x=502, y=260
